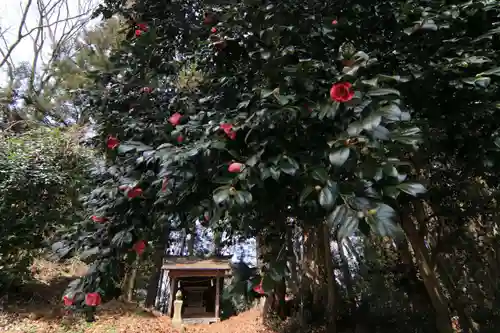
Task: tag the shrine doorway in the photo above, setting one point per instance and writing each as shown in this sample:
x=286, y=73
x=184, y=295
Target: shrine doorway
x=201, y=282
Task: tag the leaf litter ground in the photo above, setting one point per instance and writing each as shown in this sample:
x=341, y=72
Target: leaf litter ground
x=37, y=308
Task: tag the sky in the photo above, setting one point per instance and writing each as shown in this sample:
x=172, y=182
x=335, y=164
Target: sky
x=10, y=19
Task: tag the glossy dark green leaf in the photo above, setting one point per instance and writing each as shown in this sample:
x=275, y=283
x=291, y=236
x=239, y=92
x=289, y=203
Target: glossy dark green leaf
x=493, y=71
x=382, y=92
x=412, y=189
x=122, y=239
x=133, y=146
x=371, y=122
x=221, y=194
x=275, y=173
x=320, y=174
x=391, y=112
x=384, y=222
x=339, y=157
x=288, y=166
x=305, y=193
x=328, y=195
x=243, y=197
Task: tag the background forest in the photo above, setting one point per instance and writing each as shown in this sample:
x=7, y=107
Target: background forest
x=353, y=144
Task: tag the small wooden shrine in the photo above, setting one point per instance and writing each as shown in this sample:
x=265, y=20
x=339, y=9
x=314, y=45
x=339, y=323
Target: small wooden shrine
x=200, y=282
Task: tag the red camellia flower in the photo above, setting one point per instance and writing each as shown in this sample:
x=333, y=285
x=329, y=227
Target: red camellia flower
x=142, y=26
x=112, y=142
x=98, y=219
x=180, y=139
x=228, y=129
x=342, y=92
x=164, y=184
x=258, y=289
x=213, y=30
x=334, y=22
x=93, y=299
x=235, y=167
x=67, y=301
x=175, y=119
x=134, y=192
x=139, y=247
x=146, y=90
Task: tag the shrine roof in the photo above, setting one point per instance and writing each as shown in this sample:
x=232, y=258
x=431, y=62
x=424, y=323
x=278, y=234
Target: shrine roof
x=195, y=263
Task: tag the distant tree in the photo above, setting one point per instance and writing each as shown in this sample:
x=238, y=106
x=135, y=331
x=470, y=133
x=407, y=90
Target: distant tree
x=30, y=87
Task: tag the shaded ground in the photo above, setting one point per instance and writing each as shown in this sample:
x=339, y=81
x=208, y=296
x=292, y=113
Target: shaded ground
x=37, y=308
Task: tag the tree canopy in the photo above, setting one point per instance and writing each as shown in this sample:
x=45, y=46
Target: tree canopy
x=295, y=112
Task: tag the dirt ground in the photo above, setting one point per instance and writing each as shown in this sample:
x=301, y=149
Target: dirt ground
x=38, y=309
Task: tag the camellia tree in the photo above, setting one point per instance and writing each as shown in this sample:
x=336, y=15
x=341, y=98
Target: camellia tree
x=297, y=118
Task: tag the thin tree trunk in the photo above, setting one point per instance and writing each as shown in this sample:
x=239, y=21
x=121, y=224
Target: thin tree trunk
x=330, y=280
x=292, y=261
x=439, y=302
x=154, y=279
x=466, y=322
x=347, y=278
x=129, y=291
x=190, y=243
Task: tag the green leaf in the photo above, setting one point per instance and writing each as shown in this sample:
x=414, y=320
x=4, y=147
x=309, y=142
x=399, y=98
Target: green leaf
x=382, y=92
x=221, y=194
x=328, y=110
x=429, y=25
x=383, y=222
x=355, y=128
x=493, y=71
x=391, y=112
x=412, y=189
x=320, y=174
x=305, y=193
x=265, y=93
x=344, y=220
x=482, y=82
x=371, y=122
x=122, y=239
x=339, y=157
x=328, y=195
x=132, y=146
x=336, y=218
x=288, y=165
x=497, y=142
x=283, y=100
x=243, y=197
x=275, y=173
x=254, y=159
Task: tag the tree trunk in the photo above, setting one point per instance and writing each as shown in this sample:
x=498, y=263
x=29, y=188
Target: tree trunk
x=466, y=322
x=330, y=280
x=439, y=302
x=347, y=278
x=154, y=279
x=191, y=244
x=292, y=260
x=132, y=275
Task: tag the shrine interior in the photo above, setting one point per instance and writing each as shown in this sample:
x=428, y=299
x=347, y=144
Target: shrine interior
x=199, y=296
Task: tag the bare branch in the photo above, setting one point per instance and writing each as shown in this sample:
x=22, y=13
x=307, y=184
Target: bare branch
x=19, y=34
x=22, y=26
